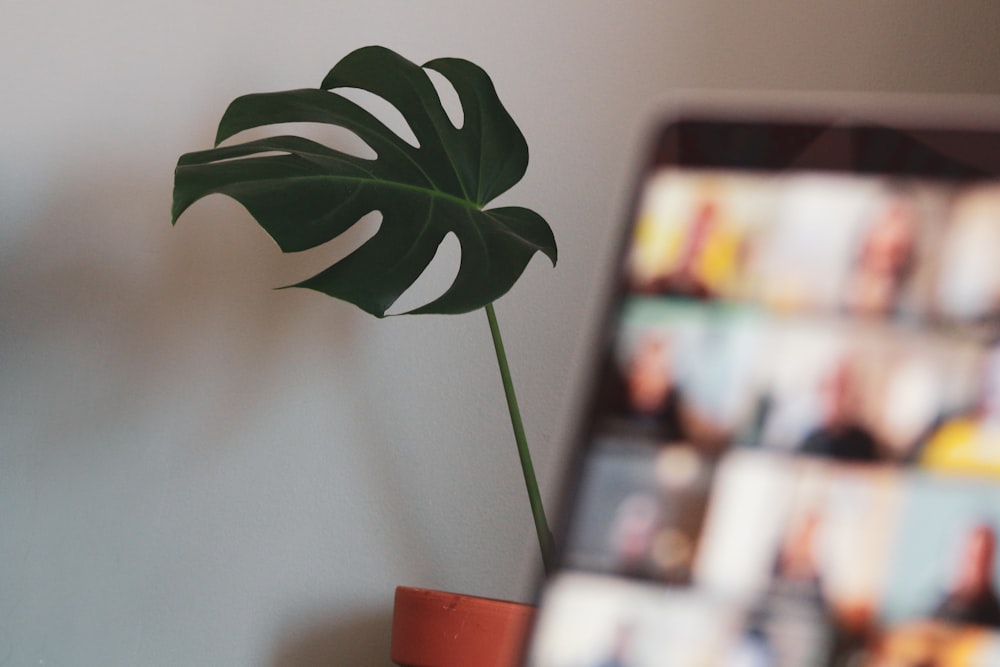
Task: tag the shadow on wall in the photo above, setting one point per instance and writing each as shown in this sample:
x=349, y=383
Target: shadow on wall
x=136, y=359
x=335, y=642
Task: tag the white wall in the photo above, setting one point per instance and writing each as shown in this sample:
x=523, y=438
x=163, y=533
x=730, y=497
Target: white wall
x=198, y=470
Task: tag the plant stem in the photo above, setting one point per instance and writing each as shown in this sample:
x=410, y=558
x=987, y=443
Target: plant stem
x=545, y=542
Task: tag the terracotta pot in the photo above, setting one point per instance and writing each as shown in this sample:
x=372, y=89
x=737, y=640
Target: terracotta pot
x=438, y=629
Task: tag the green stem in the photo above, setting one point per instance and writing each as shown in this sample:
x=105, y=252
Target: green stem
x=534, y=496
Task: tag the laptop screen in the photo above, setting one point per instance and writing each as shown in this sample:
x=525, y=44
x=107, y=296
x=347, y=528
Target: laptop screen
x=792, y=451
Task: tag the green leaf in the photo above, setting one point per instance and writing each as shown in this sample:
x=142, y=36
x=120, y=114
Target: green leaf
x=305, y=194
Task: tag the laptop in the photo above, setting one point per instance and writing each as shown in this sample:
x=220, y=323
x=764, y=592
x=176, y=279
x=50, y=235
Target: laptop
x=790, y=452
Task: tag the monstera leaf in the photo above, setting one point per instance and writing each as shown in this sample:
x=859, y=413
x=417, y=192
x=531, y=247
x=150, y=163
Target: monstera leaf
x=304, y=193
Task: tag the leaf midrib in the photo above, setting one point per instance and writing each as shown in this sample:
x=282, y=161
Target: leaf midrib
x=434, y=116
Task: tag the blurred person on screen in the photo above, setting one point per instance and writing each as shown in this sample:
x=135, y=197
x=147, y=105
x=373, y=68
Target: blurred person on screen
x=884, y=261
x=700, y=260
x=969, y=441
x=687, y=277
x=972, y=598
x=841, y=434
x=645, y=394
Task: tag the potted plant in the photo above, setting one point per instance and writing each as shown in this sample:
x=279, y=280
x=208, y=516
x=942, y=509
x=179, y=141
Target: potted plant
x=304, y=194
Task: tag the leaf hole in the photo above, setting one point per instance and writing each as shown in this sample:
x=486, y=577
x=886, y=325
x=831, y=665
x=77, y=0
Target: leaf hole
x=449, y=98
x=335, y=137
x=435, y=280
x=383, y=110
x=336, y=249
